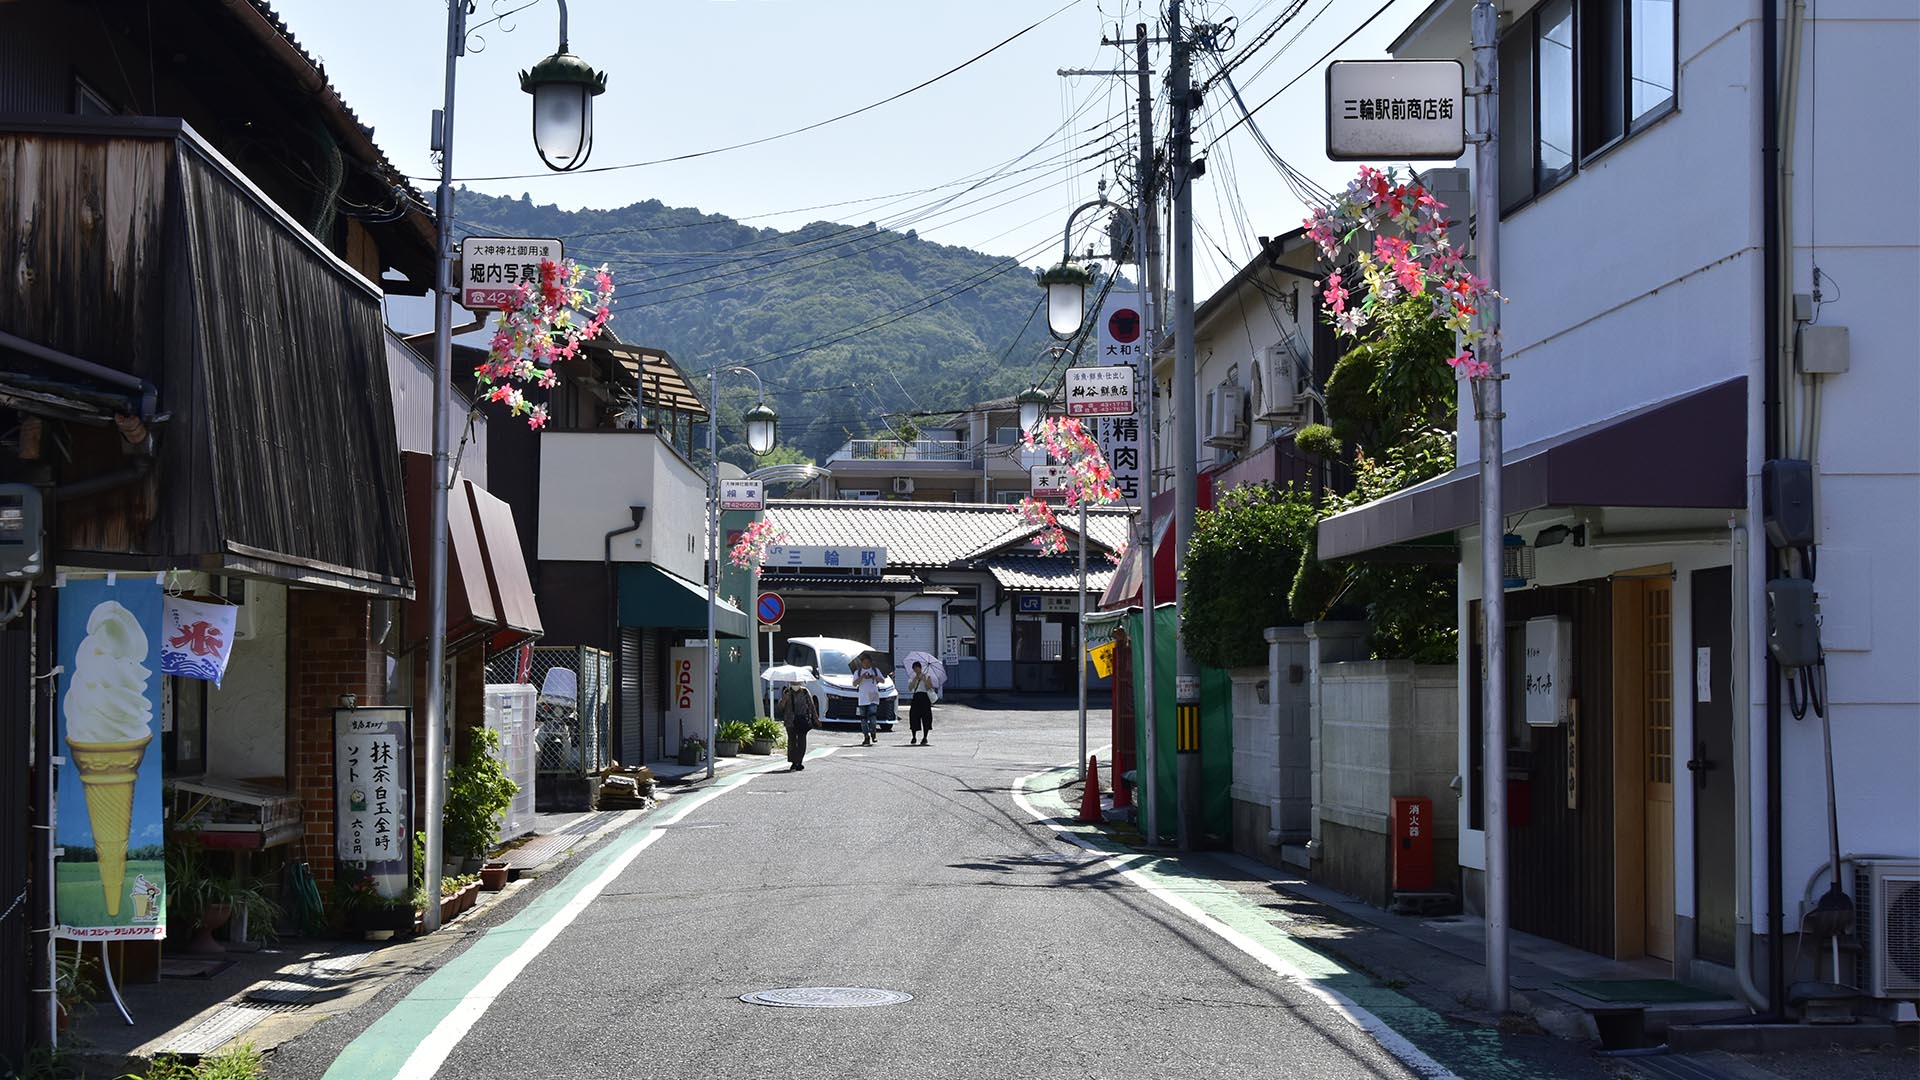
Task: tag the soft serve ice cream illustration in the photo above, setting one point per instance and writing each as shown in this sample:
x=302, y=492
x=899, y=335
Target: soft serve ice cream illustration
x=109, y=724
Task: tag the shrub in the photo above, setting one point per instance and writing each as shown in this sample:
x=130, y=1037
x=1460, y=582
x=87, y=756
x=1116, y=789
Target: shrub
x=734, y=731
x=478, y=793
x=766, y=727
x=1238, y=570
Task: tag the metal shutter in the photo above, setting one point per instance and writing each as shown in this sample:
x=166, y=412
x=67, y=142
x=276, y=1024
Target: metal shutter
x=631, y=748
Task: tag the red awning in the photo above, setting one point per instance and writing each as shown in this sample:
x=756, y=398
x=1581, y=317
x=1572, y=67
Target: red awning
x=519, y=614
x=489, y=596
x=1128, y=577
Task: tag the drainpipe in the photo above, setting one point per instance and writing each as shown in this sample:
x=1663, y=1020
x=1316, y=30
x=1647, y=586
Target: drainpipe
x=613, y=630
x=1770, y=370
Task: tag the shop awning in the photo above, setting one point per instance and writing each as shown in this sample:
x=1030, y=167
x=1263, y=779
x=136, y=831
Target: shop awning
x=1124, y=589
x=488, y=593
x=652, y=597
x=1684, y=452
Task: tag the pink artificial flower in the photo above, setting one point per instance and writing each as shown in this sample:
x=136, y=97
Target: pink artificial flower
x=1336, y=294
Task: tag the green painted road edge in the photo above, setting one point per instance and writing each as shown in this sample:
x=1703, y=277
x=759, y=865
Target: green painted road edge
x=384, y=1049
x=1426, y=1042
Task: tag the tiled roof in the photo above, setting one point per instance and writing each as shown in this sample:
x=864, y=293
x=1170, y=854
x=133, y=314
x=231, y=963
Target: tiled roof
x=1049, y=573
x=921, y=535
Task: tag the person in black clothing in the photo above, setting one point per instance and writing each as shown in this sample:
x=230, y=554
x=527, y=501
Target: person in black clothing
x=798, y=714
x=920, y=712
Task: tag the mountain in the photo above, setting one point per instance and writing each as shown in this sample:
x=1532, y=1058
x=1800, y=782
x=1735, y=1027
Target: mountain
x=853, y=328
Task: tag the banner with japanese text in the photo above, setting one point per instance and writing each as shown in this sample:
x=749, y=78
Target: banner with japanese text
x=373, y=781
x=110, y=881
x=197, y=639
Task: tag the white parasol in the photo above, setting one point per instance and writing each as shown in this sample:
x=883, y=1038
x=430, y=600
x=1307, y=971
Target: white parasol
x=787, y=673
x=936, y=671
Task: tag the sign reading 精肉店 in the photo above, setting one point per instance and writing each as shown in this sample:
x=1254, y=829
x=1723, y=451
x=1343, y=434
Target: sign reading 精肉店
x=492, y=268
x=373, y=776
x=1396, y=110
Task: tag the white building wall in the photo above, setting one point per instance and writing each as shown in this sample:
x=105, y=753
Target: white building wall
x=247, y=713
x=589, y=479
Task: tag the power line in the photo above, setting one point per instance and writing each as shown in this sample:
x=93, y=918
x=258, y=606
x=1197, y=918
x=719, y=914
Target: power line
x=1315, y=66
x=796, y=131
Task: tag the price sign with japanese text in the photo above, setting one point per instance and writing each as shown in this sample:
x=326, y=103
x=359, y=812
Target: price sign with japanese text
x=1100, y=391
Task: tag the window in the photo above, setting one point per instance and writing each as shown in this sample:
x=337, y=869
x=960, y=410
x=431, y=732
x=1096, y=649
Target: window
x=1577, y=77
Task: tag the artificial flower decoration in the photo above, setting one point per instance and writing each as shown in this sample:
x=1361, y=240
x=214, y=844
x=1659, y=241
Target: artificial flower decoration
x=751, y=549
x=542, y=325
x=1410, y=256
x=1066, y=440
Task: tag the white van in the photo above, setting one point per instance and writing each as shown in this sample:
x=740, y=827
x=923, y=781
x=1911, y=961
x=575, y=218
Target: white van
x=831, y=661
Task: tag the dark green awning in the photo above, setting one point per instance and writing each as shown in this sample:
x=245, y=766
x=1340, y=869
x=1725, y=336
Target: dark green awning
x=650, y=596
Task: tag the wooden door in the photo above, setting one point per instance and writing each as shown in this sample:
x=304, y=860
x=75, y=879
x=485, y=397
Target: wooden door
x=1657, y=700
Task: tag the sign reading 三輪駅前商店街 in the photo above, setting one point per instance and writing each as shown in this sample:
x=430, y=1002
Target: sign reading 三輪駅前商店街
x=1396, y=110
x=1100, y=391
x=110, y=881
x=742, y=495
x=853, y=557
x=492, y=268
x=373, y=775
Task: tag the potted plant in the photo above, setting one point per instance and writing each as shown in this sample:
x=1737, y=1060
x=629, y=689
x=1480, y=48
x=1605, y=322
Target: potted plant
x=727, y=740
x=205, y=902
x=767, y=734
x=478, y=794
x=693, y=749
x=493, y=876
x=72, y=984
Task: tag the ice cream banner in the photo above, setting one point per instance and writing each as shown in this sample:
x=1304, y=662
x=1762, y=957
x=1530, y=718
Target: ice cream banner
x=197, y=639
x=110, y=881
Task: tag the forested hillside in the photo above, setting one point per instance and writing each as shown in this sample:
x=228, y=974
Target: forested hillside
x=852, y=327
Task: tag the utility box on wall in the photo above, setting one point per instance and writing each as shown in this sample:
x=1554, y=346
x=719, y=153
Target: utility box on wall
x=1412, y=844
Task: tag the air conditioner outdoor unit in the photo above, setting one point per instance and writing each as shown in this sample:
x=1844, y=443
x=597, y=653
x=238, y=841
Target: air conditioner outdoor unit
x=865, y=495
x=1886, y=899
x=1279, y=384
x=1226, y=416
x=903, y=485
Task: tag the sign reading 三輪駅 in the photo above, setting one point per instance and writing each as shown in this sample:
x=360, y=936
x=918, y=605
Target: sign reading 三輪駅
x=863, y=560
x=742, y=495
x=492, y=268
x=1100, y=391
x=1050, y=482
x=1396, y=110
x=373, y=775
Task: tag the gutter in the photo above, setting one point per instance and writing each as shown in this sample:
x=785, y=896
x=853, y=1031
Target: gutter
x=149, y=393
x=613, y=630
x=1771, y=276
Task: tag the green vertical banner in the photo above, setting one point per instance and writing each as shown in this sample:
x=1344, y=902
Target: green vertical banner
x=1215, y=731
x=110, y=882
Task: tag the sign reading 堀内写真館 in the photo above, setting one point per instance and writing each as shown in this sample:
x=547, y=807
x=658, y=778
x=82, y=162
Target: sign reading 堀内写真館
x=1396, y=109
x=373, y=776
x=1100, y=391
x=110, y=881
x=492, y=268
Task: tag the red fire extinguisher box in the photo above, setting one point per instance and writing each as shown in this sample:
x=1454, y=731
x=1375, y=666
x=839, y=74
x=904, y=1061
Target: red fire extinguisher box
x=1412, y=844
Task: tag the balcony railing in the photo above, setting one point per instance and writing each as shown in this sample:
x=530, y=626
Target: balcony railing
x=903, y=450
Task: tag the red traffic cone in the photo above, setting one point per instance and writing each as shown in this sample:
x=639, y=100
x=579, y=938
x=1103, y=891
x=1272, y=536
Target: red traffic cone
x=1090, y=795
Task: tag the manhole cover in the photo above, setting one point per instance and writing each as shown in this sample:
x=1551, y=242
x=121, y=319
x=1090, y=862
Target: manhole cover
x=825, y=997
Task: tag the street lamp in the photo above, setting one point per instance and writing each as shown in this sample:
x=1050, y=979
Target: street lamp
x=563, y=88
x=762, y=426
x=1033, y=404
x=1066, y=286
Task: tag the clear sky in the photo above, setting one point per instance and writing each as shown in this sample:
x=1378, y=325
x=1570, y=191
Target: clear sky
x=692, y=75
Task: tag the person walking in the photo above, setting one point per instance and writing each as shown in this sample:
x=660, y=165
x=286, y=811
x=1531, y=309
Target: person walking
x=920, y=712
x=866, y=680
x=797, y=712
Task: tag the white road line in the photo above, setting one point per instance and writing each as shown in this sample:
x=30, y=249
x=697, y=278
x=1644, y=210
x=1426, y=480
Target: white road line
x=1390, y=1040
x=425, y=1061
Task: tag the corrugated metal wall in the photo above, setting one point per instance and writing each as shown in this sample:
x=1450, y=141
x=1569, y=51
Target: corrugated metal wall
x=411, y=377
x=35, y=72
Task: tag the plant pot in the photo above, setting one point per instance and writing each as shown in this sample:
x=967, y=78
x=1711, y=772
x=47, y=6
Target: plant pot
x=760, y=746
x=213, y=918
x=689, y=757
x=493, y=876
x=726, y=747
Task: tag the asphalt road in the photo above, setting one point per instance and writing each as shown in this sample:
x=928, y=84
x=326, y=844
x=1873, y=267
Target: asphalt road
x=894, y=867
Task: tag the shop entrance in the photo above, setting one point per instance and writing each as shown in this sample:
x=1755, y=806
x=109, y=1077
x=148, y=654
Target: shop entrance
x=1643, y=684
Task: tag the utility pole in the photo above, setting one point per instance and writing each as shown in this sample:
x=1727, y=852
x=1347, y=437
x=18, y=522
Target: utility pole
x=1493, y=599
x=1186, y=478
x=1147, y=248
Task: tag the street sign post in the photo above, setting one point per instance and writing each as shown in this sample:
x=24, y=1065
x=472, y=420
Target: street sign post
x=770, y=608
x=492, y=268
x=1100, y=391
x=1396, y=110
x=742, y=495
